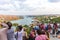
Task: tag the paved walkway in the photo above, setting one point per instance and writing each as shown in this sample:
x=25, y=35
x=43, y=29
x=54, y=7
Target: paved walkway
x=54, y=38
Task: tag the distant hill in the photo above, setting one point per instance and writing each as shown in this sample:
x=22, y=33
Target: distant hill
x=8, y=17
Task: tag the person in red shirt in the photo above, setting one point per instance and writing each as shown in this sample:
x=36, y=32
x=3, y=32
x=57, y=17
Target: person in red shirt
x=32, y=35
x=41, y=35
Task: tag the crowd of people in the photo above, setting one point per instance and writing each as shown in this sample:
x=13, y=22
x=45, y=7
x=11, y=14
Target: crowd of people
x=40, y=31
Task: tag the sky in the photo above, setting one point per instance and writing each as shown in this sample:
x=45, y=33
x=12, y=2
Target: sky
x=29, y=7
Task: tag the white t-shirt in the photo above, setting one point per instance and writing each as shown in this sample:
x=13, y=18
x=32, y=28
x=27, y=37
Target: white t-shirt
x=51, y=25
x=20, y=35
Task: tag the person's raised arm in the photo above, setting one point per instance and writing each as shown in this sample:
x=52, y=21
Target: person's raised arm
x=4, y=27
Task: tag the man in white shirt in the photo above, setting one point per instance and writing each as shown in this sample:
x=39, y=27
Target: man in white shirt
x=19, y=33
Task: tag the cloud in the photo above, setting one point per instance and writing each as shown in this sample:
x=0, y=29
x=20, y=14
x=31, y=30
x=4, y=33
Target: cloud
x=21, y=0
x=54, y=0
x=22, y=7
x=14, y=5
x=20, y=4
